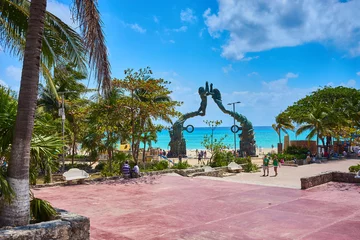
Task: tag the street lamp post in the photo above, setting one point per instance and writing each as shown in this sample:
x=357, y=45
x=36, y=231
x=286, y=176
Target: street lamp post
x=233, y=104
x=62, y=115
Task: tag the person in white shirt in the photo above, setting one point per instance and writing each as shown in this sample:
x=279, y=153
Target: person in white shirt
x=136, y=171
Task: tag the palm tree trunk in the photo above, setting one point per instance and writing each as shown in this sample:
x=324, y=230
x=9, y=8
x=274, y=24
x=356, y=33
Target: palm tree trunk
x=18, y=211
x=317, y=144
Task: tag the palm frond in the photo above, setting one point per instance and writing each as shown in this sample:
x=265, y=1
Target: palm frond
x=88, y=15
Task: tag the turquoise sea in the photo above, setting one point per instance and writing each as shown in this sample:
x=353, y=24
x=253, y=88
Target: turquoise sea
x=265, y=137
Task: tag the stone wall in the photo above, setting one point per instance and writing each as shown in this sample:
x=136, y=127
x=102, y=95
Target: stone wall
x=316, y=180
x=69, y=227
x=328, y=177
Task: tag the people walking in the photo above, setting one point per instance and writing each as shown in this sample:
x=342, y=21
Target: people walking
x=266, y=165
x=276, y=164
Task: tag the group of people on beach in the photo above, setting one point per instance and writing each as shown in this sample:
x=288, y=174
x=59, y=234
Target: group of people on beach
x=266, y=163
x=200, y=155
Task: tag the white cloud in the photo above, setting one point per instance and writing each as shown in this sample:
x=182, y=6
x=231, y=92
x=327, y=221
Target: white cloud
x=134, y=26
x=156, y=19
x=358, y=73
x=253, y=74
x=137, y=28
x=201, y=32
x=291, y=75
x=258, y=25
x=180, y=29
x=187, y=15
x=214, y=49
x=280, y=84
x=2, y=83
x=172, y=41
x=14, y=73
x=62, y=11
x=247, y=59
x=167, y=74
x=227, y=68
x=351, y=83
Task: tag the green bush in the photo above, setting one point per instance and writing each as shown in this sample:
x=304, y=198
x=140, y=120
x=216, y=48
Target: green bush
x=250, y=167
x=117, y=162
x=222, y=159
x=294, y=150
x=354, y=168
x=182, y=165
x=82, y=166
x=161, y=165
x=100, y=166
x=41, y=210
x=242, y=160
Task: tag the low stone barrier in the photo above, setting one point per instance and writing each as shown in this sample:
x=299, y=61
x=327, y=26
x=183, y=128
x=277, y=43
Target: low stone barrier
x=69, y=227
x=328, y=177
x=182, y=172
x=217, y=172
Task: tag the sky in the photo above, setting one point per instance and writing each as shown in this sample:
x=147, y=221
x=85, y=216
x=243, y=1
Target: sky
x=265, y=54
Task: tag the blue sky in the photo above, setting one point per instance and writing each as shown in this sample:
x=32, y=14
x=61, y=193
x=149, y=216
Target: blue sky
x=266, y=54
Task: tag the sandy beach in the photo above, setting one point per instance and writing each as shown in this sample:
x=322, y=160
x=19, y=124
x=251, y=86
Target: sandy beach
x=192, y=158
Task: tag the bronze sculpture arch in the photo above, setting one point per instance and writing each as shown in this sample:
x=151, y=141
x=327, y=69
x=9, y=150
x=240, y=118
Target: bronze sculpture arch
x=177, y=141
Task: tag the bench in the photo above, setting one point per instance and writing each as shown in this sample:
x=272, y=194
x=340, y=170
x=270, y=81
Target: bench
x=75, y=174
x=234, y=167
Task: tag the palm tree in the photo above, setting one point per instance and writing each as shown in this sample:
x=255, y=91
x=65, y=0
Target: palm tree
x=17, y=212
x=283, y=123
x=60, y=42
x=318, y=121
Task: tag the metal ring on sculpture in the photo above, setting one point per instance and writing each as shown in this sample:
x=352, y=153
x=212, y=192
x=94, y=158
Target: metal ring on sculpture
x=189, y=128
x=234, y=128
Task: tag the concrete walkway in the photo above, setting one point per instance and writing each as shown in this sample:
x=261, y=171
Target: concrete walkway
x=180, y=208
x=290, y=176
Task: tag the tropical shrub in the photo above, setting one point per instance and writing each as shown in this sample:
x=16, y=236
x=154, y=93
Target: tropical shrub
x=181, y=165
x=295, y=150
x=221, y=159
x=354, y=168
x=249, y=166
x=41, y=210
x=5, y=190
x=239, y=160
x=113, y=167
x=100, y=166
x=161, y=165
x=82, y=166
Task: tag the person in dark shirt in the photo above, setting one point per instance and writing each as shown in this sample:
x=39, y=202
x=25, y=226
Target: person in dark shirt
x=126, y=170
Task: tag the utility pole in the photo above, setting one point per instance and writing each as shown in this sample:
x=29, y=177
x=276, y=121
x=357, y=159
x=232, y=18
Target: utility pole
x=233, y=103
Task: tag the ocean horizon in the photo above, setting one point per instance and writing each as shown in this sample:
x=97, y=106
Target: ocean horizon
x=265, y=137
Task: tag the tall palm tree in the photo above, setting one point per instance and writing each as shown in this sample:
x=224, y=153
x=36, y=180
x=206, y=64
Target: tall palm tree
x=60, y=42
x=17, y=212
x=317, y=121
x=283, y=123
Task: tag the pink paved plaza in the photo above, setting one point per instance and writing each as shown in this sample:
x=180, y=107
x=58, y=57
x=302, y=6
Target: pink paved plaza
x=174, y=207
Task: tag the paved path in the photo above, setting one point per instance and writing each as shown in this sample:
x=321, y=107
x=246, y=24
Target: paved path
x=174, y=207
x=290, y=176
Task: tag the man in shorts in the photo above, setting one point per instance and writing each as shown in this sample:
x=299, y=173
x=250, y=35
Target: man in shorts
x=266, y=165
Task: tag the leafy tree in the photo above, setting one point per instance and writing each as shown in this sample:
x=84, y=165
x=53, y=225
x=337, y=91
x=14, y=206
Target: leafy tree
x=145, y=98
x=17, y=212
x=214, y=146
x=326, y=113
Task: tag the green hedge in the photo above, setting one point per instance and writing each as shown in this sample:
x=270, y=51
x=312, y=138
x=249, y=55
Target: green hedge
x=354, y=168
